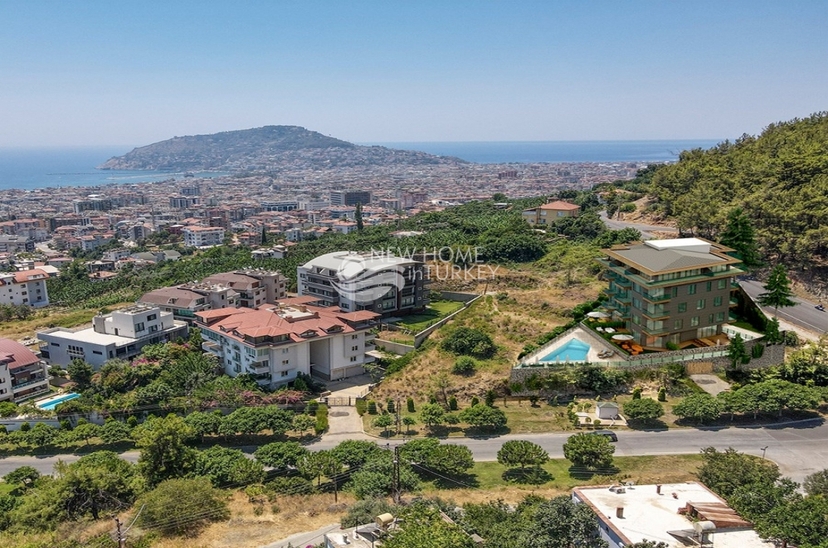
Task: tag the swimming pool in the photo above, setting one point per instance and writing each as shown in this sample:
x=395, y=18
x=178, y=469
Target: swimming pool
x=49, y=405
x=573, y=351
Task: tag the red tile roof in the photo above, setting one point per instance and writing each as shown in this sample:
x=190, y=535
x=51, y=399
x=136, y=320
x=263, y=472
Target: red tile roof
x=15, y=354
x=560, y=205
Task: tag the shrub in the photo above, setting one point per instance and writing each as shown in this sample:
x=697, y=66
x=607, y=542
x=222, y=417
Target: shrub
x=321, y=419
x=470, y=342
x=25, y=427
x=452, y=403
x=464, y=365
x=313, y=405
x=392, y=408
x=757, y=351
x=294, y=485
x=183, y=497
x=410, y=405
x=372, y=407
x=475, y=400
x=672, y=346
x=662, y=394
x=490, y=398
x=361, y=406
x=636, y=394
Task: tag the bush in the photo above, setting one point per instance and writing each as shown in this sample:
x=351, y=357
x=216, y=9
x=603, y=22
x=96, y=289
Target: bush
x=313, y=405
x=475, y=400
x=391, y=406
x=183, y=506
x=294, y=485
x=636, y=394
x=464, y=365
x=757, y=351
x=452, y=403
x=629, y=207
x=672, y=346
x=662, y=394
x=469, y=342
x=410, y=405
x=372, y=407
x=361, y=406
x=321, y=419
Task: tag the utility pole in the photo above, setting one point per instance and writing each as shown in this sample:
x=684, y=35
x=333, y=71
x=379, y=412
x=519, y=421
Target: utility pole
x=120, y=537
x=396, y=478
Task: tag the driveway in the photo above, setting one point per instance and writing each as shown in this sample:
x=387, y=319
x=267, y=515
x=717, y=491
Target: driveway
x=711, y=384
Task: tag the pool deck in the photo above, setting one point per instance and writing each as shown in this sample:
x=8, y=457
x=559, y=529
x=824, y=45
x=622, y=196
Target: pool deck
x=596, y=346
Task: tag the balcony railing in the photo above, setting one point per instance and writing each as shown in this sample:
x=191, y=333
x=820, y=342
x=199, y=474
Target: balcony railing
x=16, y=386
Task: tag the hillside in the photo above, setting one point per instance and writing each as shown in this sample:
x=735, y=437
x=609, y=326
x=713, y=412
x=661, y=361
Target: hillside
x=779, y=178
x=264, y=149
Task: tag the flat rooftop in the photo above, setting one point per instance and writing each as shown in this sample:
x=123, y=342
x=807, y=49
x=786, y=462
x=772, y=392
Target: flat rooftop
x=653, y=516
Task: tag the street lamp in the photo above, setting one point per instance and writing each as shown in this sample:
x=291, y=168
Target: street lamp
x=763, y=449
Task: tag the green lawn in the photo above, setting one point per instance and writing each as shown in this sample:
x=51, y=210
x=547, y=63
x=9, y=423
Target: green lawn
x=436, y=311
x=558, y=474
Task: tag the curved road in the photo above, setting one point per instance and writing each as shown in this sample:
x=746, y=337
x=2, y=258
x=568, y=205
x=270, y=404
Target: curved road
x=646, y=230
x=803, y=314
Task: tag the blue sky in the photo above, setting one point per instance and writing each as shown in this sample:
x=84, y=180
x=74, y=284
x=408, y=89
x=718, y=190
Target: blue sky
x=131, y=73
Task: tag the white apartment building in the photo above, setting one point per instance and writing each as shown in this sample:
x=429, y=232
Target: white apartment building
x=202, y=236
x=22, y=374
x=276, y=343
x=25, y=287
x=121, y=334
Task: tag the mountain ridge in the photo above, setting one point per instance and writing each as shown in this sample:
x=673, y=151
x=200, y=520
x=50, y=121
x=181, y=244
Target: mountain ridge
x=264, y=148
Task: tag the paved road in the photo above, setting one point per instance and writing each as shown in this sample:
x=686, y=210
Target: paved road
x=646, y=230
x=799, y=448
x=803, y=314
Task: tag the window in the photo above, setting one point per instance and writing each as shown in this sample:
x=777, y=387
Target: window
x=354, y=348
x=354, y=337
x=719, y=316
x=285, y=362
x=682, y=307
x=284, y=373
x=721, y=284
x=717, y=301
x=700, y=304
x=691, y=289
x=694, y=321
x=139, y=327
x=55, y=344
x=353, y=359
x=151, y=317
x=709, y=286
x=97, y=352
x=678, y=324
x=675, y=291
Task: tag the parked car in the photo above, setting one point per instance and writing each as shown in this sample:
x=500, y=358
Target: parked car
x=612, y=436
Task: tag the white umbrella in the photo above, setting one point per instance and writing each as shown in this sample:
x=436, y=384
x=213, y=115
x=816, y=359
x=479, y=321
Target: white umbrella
x=622, y=337
x=597, y=314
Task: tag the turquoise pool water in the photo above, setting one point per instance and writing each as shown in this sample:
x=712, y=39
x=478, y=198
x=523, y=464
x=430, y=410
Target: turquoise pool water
x=573, y=351
x=50, y=405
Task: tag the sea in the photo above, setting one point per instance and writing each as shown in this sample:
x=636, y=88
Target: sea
x=31, y=168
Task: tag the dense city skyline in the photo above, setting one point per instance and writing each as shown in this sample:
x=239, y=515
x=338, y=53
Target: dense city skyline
x=88, y=73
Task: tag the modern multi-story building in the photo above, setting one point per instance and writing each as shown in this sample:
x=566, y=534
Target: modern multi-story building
x=547, y=214
x=22, y=374
x=254, y=286
x=350, y=197
x=275, y=343
x=25, y=287
x=202, y=236
x=15, y=244
x=671, y=291
x=384, y=284
x=121, y=334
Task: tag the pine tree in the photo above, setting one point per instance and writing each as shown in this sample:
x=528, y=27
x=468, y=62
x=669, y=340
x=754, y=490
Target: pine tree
x=358, y=216
x=777, y=290
x=739, y=235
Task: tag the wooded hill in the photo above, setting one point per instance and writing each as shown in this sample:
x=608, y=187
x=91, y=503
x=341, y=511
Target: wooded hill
x=780, y=180
x=264, y=149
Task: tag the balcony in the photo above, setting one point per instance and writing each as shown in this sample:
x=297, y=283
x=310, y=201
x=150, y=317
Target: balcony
x=16, y=387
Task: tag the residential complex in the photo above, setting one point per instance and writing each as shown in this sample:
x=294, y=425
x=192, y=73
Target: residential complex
x=25, y=287
x=547, y=214
x=254, y=286
x=202, y=236
x=185, y=300
x=678, y=514
x=22, y=374
x=384, y=284
x=276, y=343
x=121, y=334
x=671, y=291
